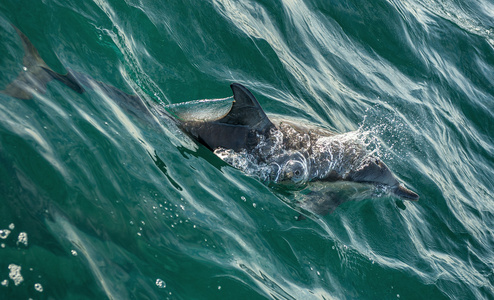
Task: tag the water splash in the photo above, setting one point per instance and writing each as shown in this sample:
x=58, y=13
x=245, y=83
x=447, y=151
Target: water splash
x=294, y=156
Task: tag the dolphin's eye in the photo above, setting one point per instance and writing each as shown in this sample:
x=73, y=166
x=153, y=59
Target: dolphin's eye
x=295, y=171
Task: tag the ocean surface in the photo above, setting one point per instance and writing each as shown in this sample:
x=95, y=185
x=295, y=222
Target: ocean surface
x=97, y=203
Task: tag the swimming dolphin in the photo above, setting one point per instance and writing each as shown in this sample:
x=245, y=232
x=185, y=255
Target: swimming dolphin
x=282, y=151
x=240, y=133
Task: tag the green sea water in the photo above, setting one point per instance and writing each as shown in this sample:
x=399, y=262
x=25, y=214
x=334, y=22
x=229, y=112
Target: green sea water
x=97, y=203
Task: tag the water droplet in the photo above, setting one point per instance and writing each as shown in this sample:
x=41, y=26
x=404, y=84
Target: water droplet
x=254, y=205
x=38, y=287
x=11, y=226
x=5, y=282
x=243, y=198
x=160, y=283
x=219, y=287
x=4, y=233
x=73, y=252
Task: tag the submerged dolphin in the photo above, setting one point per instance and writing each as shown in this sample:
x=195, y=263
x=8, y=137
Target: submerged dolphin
x=240, y=133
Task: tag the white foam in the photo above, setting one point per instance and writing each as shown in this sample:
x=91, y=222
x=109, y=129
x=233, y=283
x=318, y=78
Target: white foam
x=15, y=274
x=22, y=239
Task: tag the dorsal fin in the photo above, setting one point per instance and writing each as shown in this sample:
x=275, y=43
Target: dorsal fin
x=246, y=110
x=36, y=74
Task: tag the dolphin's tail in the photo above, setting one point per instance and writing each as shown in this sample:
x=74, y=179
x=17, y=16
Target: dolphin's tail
x=35, y=74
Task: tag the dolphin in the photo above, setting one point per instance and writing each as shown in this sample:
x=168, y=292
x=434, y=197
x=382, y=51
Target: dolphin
x=239, y=132
x=281, y=151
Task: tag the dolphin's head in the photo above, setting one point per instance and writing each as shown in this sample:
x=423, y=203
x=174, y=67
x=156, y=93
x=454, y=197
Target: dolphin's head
x=292, y=168
x=373, y=170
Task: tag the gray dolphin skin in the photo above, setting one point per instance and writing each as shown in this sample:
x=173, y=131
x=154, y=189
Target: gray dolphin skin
x=240, y=133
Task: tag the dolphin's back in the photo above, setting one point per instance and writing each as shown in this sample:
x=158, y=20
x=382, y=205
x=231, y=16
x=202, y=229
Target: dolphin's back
x=239, y=129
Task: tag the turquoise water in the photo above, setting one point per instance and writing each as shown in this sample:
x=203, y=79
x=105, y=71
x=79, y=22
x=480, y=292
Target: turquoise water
x=98, y=203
